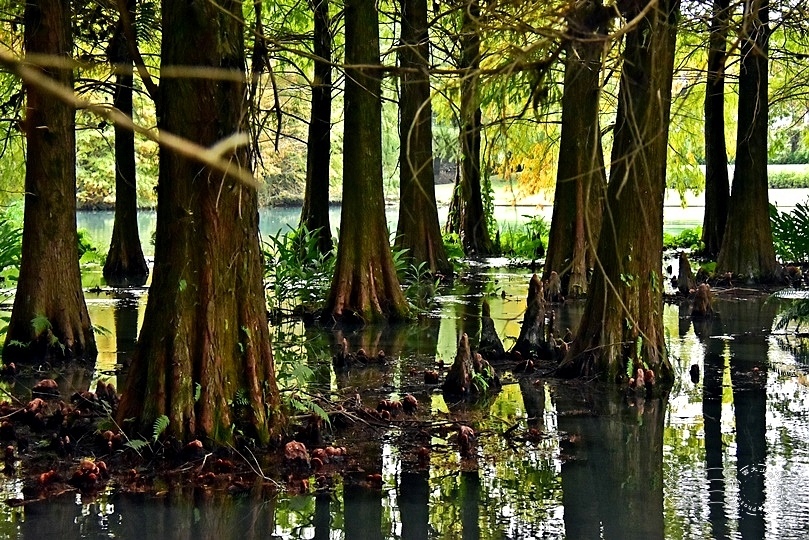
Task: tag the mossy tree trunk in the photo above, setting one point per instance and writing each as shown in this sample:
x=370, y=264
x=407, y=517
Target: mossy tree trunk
x=125, y=264
x=581, y=178
x=717, y=184
x=203, y=356
x=419, y=231
x=365, y=286
x=622, y=325
x=315, y=212
x=747, y=246
x=49, y=285
x=467, y=217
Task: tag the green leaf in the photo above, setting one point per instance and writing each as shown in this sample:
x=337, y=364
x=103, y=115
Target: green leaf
x=136, y=444
x=160, y=425
x=318, y=410
x=40, y=324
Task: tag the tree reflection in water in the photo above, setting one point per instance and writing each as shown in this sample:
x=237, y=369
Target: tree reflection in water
x=595, y=466
x=612, y=469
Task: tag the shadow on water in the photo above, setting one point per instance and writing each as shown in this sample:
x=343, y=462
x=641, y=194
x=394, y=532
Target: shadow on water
x=724, y=456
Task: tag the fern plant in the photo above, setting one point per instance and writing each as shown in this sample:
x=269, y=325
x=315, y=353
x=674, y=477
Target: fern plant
x=790, y=231
x=797, y=312
x=159, y=427
x=295, y=270
x=10, y=244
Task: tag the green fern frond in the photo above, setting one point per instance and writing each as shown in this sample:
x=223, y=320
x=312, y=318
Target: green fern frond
x=40, y=324
x=797, y=312
x=136, y=444
x=160, y=425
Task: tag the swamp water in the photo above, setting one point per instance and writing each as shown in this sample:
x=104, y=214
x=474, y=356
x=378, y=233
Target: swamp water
x=726, y=457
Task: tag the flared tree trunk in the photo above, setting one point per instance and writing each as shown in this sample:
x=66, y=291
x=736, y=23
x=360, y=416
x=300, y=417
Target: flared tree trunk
x=467, y=217
x=125, y=264
x=622, y=327
x=203, y=357
x=581, y=178
x=365, y=286
x=315, y=212
x=717, y=186
x=747, y=247
x=419, y=231
x=49, y=319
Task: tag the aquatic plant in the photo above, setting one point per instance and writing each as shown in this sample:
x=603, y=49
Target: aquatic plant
x=295, y=270
x=526, y=241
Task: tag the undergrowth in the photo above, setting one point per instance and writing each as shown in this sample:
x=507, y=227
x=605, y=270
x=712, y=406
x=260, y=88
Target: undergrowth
x=790, y=232
x=295, y=271
x=690, y=239
x=524, y=241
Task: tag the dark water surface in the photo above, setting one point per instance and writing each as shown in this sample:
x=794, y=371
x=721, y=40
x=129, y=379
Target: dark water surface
x=726, y=457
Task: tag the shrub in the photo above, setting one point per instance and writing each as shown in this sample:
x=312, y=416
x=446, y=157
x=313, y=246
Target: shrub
x=781, y=180
x=295, y=270
x=10, y=244
x=790, y=232
x=525, y=241
x=687, y=239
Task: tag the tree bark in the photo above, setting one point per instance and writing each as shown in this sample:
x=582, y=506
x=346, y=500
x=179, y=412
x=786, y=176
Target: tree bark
x=125, y=264
x=581, y=178
x=747, y=246
x=49, y=286
x=365, y=286
x=315, y=211
x=205, y=338
x=419, y=231
x=622, y=327
x=467, y=216
x=717, y=185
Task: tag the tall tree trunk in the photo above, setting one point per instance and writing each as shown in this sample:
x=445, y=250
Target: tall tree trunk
x=622, y=327
x=419, y=231
x=581, y=178
x=125, y=264
x=205, y=337
x=467, y=216
x=717, y=186
x=49, y=288
x=315, y=212
x=747, y=247
x=365, y=286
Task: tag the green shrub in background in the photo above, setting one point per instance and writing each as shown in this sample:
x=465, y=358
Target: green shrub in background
x=453, y=247
x=687, y=239
x=526, y=241
x=782, y=180
x=10, y=244
x=790, y=232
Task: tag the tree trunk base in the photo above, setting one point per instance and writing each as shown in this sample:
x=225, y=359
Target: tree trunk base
x=490, y=347
x=470, y=373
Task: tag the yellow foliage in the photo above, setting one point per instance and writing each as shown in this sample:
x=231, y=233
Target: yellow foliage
x=535, y=171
